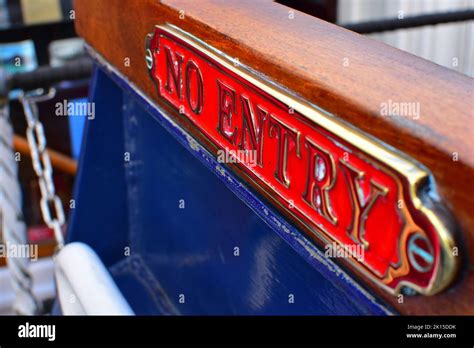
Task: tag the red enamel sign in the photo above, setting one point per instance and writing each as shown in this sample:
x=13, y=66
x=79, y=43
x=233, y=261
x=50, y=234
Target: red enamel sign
x=348, y=192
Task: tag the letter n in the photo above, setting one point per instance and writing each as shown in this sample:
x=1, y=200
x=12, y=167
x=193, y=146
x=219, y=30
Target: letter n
x=174, y=72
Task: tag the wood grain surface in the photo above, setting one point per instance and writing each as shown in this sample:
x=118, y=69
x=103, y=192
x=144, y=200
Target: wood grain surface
x=346, y=74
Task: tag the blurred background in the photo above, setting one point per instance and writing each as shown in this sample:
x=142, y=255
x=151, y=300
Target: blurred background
x=448, y=44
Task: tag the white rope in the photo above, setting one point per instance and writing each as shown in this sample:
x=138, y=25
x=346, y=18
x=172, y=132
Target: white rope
x=12, y=226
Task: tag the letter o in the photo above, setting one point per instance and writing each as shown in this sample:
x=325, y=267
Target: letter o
x=190, y=67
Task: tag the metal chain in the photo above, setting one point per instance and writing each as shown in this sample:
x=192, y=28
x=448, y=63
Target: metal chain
x=12, y=226
x=42, y=163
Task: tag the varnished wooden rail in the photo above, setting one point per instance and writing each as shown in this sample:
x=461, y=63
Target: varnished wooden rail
x=344, y=73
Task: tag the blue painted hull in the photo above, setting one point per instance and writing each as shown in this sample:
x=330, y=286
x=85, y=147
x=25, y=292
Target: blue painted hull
x=182, y=235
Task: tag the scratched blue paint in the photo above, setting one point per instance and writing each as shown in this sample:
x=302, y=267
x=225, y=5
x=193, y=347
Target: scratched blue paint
x=189, y=251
